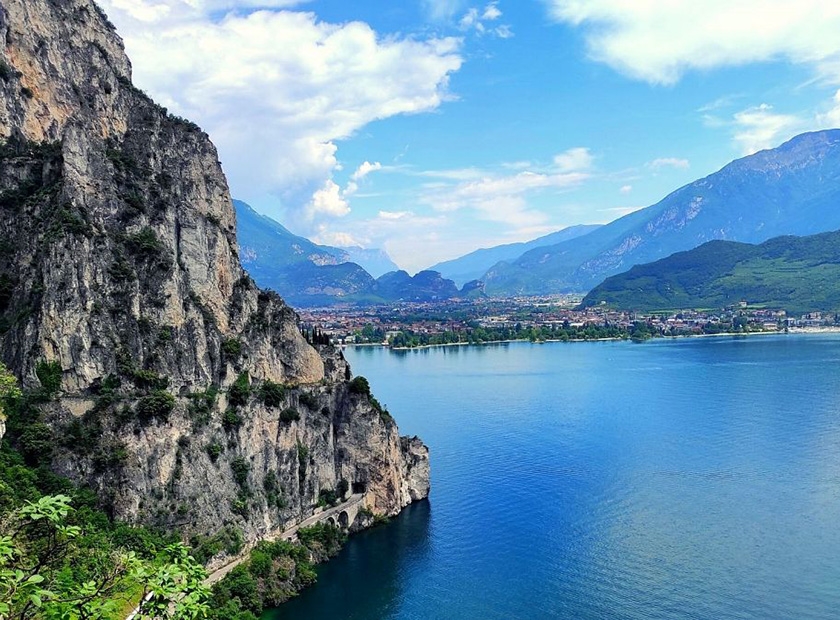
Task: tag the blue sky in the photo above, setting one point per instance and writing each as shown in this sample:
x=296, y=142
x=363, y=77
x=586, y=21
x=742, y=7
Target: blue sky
x=433, y=127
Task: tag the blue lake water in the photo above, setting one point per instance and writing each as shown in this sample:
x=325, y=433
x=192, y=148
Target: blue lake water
x=693, y=478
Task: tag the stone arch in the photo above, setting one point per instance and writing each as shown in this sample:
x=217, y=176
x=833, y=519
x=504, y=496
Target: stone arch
x=331, y=521
x=344, y=519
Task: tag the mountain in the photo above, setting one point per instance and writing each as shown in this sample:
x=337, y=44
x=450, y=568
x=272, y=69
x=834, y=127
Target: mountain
x=373, y=260
x=798, y=274
x=308, y=274
x=793, y=189
x=424, y=286
x=302, y=272
x=158, y=374
x=474, y=265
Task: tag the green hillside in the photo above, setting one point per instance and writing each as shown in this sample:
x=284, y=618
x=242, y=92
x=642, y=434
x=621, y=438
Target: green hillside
x=798, y=274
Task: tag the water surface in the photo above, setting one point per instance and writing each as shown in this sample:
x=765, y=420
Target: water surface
x=693, y=478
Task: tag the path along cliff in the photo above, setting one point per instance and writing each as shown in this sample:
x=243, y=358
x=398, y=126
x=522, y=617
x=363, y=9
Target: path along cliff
x=181, y=393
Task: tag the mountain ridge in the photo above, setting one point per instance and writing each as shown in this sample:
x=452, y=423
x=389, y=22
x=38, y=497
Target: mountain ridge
x=797, y=274
x=786, y=190
x=474, y=265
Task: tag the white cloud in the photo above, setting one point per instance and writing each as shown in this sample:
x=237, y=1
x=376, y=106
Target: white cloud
x=575, y=159
x=443, y=9
x=626, y=189
x=337, y=239
x=760, y=128
x=277, y=88
x=329, y=201
x=491, y=12
x=830, y=119
x=501, y=198
x=481, y=21
x=365, y=169
x=659, y=41
x=395, y=215
x=669, y=162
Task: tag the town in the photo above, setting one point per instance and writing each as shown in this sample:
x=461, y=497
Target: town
x=412, y=324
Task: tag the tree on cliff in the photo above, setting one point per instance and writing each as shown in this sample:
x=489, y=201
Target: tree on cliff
x=8, y=388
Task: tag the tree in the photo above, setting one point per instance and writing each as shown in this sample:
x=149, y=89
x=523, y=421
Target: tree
x=8, y=388
x=48, y=569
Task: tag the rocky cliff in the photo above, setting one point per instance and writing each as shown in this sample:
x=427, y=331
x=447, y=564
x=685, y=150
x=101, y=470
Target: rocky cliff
x=170, y=383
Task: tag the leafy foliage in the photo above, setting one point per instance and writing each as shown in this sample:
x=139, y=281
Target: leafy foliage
x=157, y=406
x=271, y=394
x=359, y=385
x=240, y=391
x=275, y=572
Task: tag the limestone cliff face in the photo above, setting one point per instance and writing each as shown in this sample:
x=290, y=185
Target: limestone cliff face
x=119, y=262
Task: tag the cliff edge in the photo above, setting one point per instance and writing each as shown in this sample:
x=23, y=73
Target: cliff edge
x=173, y=386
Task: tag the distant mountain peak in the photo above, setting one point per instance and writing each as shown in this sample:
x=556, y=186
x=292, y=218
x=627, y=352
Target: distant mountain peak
x=792, y=189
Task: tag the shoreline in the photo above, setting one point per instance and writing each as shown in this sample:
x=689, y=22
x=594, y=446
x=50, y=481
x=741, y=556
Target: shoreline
x=787, y=332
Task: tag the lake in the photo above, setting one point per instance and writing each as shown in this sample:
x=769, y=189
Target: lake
x=692, y=478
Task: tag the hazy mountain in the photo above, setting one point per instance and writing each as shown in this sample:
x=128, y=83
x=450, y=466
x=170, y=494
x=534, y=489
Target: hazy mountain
x=375, y=261
x=793, y=189
x=303, y=272
x=308, y=274
x=798, y=274
x=475, y=264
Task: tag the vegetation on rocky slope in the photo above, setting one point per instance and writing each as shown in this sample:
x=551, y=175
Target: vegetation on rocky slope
x=797, y=274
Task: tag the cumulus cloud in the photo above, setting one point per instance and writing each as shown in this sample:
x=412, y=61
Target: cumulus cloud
x=659, y=41
x=329, y=201
x=626, y=189
x=276, y=88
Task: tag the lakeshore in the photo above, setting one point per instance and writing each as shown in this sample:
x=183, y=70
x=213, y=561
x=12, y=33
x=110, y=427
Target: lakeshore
x=788, y=331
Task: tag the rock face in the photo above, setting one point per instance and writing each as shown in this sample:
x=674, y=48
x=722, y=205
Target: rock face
x=188, y=397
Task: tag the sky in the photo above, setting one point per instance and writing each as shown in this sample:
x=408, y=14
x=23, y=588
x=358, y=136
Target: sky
x=431, y=128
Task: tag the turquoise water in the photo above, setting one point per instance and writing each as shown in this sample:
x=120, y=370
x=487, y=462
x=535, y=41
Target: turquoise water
x=693, y=478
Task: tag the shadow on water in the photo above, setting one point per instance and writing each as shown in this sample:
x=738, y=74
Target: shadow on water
x=366, y=579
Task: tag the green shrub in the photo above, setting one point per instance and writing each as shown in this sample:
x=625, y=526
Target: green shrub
x=231, y=420
x=240, y=468
x=271, y=394
x=232, y=348
x=342, y=488
x=308, y=400
x=240, y=391
x=157, y=405
x=228, y=540
x=214, y=450
x=145, y=242
x=289, y=415
x=202, y=405
x=240, y=505
x=49, y=374
x=149, y=379
x=165, y=334
x=359, y=385
x=327, y=497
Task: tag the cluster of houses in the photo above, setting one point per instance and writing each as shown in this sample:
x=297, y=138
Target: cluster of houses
x=376, y=324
